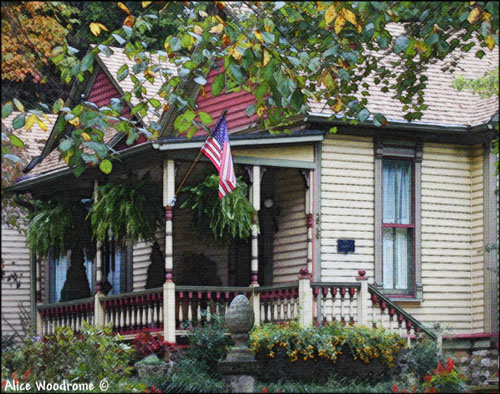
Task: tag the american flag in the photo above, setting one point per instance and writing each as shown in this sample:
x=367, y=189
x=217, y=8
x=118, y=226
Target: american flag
x=217, y=149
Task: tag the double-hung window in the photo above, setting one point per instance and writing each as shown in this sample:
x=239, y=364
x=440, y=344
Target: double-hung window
x=397, y=227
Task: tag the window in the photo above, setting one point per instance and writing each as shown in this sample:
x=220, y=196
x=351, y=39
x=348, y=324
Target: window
x=116, y=268
x=397, y=219
x=398, y=227
x=58, y=269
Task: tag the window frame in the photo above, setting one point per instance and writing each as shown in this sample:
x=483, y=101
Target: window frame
x=399, y=150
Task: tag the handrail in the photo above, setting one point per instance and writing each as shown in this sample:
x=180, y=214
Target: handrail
x=66, y=303
x=231, y=289
x=336, y=284
x=407, y=316
x=132, y=294
x=278, y=286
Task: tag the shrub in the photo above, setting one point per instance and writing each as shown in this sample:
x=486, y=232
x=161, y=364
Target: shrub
x=326, y=342
x=145, y=344
x=423, y=358
x=90, y=356
x=444, y=379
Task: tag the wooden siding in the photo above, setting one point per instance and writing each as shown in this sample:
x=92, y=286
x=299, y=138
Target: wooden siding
x=15, y=257
x=290, y=242
x=452, y=226
x=347, y=206
x=302, y=153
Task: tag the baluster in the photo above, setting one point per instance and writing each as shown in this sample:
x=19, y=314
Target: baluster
x=154, y=300
x=149, y=302
x=352, y=291
x=324, y=295
x=295, y=295
x=392, y=322
x=400, y=321
x=333, y=294
x=288, y=304
x=128, y=312
x=138, y=313
x=218, y=304
x=342, y=305
x=144, y=306
x=209, y=302
x=226, y=302
x=181, y=308
x=190, y=306
x=279, y=305
x=262, y=308
x=198, y=308
x=408, y=332
x=374, y=300
x=382, y=306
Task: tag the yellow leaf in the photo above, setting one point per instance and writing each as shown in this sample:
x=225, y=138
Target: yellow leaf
x=235, y=53
x=490, y=42
x=96, y=28
x=219, y=19
x=486, y=16
x=67, y=157
x=261, y=110
x=268, y=28
x=349, y=16
x=319, y=6
x=18, y=105
x=75, y=121
x=258, y=34
x=41, y=124
x=339, y=24
x=198, y=30
x=129, y=21
x=203, y=14
x=474, y=15
x=217, y=29
x=337, y=105
x=47, y=118
x=86, y=137
x=267, y=57
x=30, y=121
x=123, y=7
x=330, y=14
x=145, y=3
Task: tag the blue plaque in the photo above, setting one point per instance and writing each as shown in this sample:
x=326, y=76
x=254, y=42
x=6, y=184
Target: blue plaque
x=345, y=246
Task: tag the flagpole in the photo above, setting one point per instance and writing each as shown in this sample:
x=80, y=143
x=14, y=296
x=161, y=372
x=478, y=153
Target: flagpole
x=196, y=159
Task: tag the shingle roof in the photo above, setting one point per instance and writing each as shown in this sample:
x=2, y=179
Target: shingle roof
x=446, y=105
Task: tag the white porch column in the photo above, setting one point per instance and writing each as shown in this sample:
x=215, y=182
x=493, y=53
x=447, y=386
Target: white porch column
x=255, y=198
x=309, y=200
x=169, y=286
x=98, y=308
x=305, y=298
x=363, y=297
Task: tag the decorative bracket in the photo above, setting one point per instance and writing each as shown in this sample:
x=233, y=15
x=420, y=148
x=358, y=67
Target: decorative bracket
x=306, y=175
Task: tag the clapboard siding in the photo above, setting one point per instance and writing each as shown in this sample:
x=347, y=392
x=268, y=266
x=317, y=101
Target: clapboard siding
x=290, y=242
x=477, y=242
x=347, y=206
x=15, y=258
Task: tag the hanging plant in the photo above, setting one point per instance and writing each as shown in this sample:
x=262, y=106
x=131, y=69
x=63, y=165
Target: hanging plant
x=57, y=226
x=219, y=220
x=127, y=211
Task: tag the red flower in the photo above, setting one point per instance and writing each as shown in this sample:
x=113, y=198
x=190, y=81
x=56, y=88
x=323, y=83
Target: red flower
x=26, y=374
x=403, y=391
x=450, y=364
x=394, y=388
x=4, y=382
x=264, y=390
x=413, y=389
x=428, y=377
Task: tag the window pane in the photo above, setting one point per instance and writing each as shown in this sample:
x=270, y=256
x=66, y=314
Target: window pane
x=59, y=271
x=402, y=251
x=388, y=258
x=397, y=191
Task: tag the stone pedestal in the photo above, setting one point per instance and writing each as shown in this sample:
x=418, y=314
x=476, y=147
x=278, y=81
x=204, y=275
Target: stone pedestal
x=240, y=367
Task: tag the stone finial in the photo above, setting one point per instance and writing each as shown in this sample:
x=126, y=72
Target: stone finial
x=239, y=316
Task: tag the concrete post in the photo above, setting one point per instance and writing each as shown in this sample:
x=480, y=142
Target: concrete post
x=305, y=298
x=363, y=297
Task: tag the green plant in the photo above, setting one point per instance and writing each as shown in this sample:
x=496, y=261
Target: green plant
x=146, y=344
x=228, y=219
x=92, y=355
x=444, y=379
x=326, y=342
x=130, y=211
x=423, y=358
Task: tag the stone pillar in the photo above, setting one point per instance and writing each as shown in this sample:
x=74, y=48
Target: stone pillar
x=305, y=298
x=239, y=367
x=255, y=197
x=169, y=285
x=363, y=297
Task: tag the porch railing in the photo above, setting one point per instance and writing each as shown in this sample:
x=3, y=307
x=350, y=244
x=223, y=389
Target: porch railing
x=135, y=312
x=70, y=313
x=175, y=309
x=198, y=304
x=279, y=303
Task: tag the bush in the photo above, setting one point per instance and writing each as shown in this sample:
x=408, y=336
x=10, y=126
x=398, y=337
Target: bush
x=326, y=342
x=90, y=356
x=423, y=358
x=145, y=344
x=444, y=380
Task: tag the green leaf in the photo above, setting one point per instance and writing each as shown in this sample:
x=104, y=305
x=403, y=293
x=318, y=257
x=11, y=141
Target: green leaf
x=18, y=105
x=175, y=44
x=87, y=62
x=122, y=73
x=155, y=103
x=64, y=145
x=137, y=108
x=261, y=90
x=106, y=166
x=432, y=39
x=236, y=72
x=119, y=39
x=218, y=84
x=401, y=43
x=363, y=115
x=250, y=110
x=19, y=121
x=16, y=141
x=205, y=118
x=105, y=49
x=6, y=110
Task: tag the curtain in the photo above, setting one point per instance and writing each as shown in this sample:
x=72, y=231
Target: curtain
x=397, y=255
x=397, y=191
x=58, y=272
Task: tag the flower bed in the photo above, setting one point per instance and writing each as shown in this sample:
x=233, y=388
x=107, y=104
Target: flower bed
x=292, y=352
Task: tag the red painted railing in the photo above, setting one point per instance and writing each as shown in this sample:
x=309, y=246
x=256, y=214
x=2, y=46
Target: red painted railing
x=71, y=313
x=279, y=303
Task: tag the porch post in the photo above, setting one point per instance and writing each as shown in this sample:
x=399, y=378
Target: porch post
x=309, y=199
x=169, y=285
x=35, y=294
x=305, y=298
x=98, y=309
x=363, y=297
x=255, y=196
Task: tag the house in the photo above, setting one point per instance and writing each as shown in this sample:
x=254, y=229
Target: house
x=368, y=225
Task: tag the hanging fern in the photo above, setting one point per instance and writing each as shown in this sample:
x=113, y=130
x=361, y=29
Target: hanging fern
x=128, y=211
x=58, y=225
x=219, y=220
